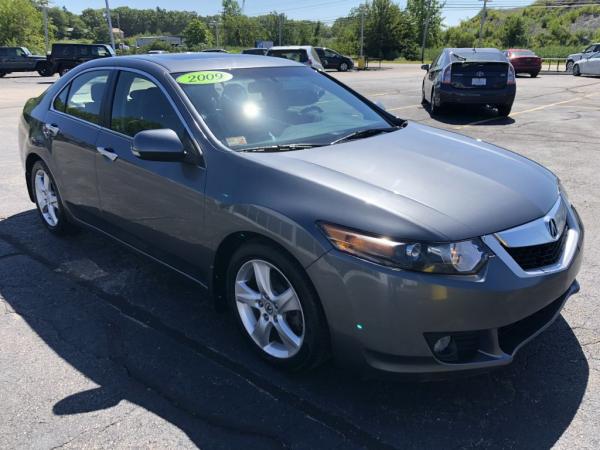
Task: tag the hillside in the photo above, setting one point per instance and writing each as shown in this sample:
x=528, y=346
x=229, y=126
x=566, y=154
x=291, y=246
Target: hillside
x=552, y=28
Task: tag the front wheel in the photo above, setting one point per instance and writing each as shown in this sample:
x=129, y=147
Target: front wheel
x=570, y=65
x=276, y=307
x=504, y=110
x=2, y=74
x=576, y=70
x=343, y=67
x=48, y=201
x=534, y=74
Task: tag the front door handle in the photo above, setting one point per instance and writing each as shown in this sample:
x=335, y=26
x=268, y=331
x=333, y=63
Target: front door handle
x=107, y=152
x=50, y=130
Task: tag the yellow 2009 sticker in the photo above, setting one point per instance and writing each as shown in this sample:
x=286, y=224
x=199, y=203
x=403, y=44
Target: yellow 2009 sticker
x=206, y=77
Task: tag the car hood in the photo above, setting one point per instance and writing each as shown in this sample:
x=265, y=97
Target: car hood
x=451, y=185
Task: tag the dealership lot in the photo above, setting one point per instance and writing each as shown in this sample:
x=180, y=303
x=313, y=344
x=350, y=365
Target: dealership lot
x=101, y=347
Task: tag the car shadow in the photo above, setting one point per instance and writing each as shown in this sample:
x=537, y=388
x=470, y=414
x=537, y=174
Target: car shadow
x=457, y=114
x=167, y=350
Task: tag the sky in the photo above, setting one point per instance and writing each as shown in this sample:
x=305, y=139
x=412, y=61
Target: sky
x=324, y=10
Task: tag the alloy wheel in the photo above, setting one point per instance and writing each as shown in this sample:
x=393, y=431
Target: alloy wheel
x=47, y=200
x=343, y=67
x=269, y=308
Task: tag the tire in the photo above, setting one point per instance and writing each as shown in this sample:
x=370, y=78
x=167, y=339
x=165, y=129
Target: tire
x=436, y=107
x=343, y=67
x=63, y=71
x=305, y=342
x=570, y=65
x=504, y=110
x=534, y=74
x=423, y=99
x=45, y=70
x=2, y=74
x=48, y=201
x=576, y=70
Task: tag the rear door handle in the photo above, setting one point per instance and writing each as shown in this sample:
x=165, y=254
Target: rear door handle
x=107, y=152
x=50, y=130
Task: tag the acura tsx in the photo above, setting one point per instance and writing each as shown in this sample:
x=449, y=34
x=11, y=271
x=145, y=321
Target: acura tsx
x=324, y=224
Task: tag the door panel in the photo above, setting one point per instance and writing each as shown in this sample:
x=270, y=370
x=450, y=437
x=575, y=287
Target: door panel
x=155, y=206
x=73, y=145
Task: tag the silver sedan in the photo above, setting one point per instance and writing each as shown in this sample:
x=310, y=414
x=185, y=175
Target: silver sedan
x=587, y=66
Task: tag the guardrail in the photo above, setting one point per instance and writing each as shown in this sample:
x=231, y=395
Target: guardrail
x=554, y=64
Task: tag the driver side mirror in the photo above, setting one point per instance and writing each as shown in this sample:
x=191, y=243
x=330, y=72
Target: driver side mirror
x=158, y=145
x=425, y=67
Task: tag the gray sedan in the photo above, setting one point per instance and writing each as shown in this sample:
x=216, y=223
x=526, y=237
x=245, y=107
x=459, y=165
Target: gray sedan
x=587, y=65
x=327, y=226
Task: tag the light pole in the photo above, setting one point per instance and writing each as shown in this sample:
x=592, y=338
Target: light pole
x=110, y=28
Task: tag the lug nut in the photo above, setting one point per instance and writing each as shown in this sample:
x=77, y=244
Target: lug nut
x=265, y=316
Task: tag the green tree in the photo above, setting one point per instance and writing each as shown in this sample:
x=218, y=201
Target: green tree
x=197, y=34
x=389, y=32
x=421, y=11
x=514, y=33
x=21, y=24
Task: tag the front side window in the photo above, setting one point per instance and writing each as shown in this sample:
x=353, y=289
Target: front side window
x=86, y=94
x=100, y=51
x=330, y=54
x=139, y=105
x=253, y=107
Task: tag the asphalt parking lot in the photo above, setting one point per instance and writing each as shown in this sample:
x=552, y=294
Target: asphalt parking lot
x=100, y=347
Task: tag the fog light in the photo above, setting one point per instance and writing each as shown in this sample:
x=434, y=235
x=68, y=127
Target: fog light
x=441, y=345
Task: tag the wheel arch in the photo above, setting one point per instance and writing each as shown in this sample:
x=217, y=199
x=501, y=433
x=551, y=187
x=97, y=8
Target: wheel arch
x=31, y=159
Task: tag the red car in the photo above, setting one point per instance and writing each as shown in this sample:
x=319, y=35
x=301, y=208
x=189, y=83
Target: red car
x=524, y=61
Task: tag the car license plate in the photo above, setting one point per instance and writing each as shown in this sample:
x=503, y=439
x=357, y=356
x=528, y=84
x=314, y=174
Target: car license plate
x=478, y=81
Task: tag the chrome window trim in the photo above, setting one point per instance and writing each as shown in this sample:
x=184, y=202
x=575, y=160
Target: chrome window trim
x=569, y=251
x=140, y=72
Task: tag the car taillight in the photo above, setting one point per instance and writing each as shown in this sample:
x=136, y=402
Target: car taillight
x=511, y=75
x=447, y=75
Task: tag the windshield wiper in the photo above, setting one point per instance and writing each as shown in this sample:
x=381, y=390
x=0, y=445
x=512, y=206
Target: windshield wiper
x=365, y=133
x=279, y=147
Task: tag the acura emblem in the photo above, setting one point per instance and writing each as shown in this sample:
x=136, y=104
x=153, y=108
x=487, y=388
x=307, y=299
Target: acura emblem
x=480, y=74
x=552, y=228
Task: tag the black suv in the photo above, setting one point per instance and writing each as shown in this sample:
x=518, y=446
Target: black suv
x=333, y=60
x=66, y=56
x=19, y=59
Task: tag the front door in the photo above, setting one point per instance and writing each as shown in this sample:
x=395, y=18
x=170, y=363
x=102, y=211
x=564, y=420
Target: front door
x=71, y=127
x=155, y=206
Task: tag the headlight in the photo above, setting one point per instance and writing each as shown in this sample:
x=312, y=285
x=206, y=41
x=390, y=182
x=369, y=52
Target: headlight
x=464, y=257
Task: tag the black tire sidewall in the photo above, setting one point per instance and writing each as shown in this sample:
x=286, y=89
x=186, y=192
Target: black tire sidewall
x=63, y=226
x=315, y=346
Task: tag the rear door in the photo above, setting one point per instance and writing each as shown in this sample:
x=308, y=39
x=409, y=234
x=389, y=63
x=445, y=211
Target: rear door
x=72, y=126
x=155, y=206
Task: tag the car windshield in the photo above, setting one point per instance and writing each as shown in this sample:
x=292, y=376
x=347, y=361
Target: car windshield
x=276, y=106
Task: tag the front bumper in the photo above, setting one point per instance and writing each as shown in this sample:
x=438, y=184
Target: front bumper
x=503, y=96
x=384, y=319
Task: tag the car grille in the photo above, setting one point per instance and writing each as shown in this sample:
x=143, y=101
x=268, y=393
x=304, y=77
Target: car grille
x=536, y=256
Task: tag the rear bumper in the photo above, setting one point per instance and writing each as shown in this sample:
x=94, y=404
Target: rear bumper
x=450, y=94
x=527, y=68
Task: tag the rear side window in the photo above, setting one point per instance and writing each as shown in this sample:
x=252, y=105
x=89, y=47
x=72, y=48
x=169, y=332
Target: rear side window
x=139, y=105
x=60, y=102
x=86, y=94
x=294, y=55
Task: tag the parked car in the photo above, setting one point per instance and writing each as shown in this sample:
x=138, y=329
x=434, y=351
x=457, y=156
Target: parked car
x=327, y=225
x=255, y=51
x=481, y=76
x=524, y=61
x=65, y=57
x=333, y=60
x=574, y=57
x=588, y=65
x=304, y=54
x=19, y=59
x=214, y=50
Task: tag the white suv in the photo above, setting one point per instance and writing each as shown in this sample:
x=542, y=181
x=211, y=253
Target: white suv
x=305, y=54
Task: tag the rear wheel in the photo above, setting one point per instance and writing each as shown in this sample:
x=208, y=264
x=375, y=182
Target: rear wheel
x=2, y=74
x=63, y=71
x=570, y=65
x=534, y=74
x=276, y=307
x=576, y=70
x=504, y=110
x=436, y=104
x=45, y=70
x=343, y=67
x=48, y=201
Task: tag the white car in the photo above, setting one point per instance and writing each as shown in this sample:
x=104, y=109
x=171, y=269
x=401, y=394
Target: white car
x=587, y=65
x=305, y=54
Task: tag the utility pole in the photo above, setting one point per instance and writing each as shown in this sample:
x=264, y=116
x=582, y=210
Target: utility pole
x=483, y=17
x=110, y=28
x=216, y=24
x=45, y=5
x=280, y=26
x=425, y=31
x=362, y=30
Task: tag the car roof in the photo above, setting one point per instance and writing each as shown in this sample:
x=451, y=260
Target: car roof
x=291, y=47
x=188, y=62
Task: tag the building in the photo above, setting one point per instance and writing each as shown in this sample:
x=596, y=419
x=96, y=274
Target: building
x=175, y=41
